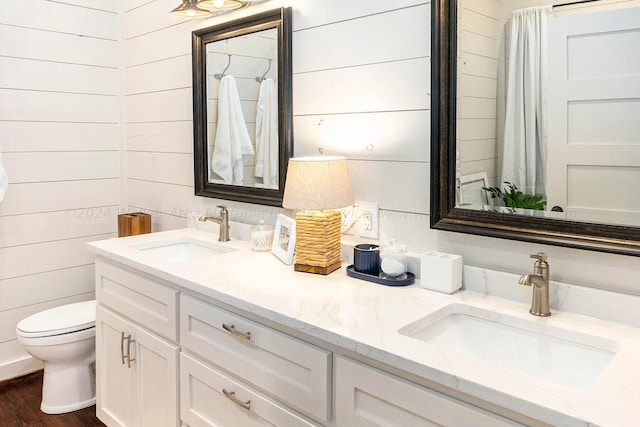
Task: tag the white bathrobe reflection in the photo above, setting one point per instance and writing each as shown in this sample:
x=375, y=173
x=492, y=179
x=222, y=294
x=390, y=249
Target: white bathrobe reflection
x=267, y=134
x=232, y=138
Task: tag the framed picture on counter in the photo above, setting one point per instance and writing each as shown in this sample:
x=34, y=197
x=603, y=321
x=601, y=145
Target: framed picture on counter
x=284, y=239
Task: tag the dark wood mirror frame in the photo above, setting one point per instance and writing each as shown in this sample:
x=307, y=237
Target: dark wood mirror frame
x=280, y=19
x=616, y=239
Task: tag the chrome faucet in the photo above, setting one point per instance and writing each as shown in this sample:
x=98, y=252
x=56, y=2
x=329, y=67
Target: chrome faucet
x=539, y=280
x=223, y=221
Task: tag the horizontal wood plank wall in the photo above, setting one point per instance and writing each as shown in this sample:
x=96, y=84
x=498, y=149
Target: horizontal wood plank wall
x=59, y=127
x=155, y=37
x=479, y=47
x=361, y=89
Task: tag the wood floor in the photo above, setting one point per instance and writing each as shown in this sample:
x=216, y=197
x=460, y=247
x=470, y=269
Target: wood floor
x=20, y=406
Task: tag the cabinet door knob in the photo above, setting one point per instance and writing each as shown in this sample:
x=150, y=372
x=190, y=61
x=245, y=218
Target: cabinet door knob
x=233, y=331
x=232, y=396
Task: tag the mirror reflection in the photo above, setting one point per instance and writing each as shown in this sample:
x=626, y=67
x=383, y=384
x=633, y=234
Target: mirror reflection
x=548, y=107
x=242, y=110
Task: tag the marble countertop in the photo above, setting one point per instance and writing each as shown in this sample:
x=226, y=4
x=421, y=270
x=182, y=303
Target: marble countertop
x=364, y=318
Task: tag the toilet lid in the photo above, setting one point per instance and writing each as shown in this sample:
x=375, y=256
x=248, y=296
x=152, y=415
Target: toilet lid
x=59, y=320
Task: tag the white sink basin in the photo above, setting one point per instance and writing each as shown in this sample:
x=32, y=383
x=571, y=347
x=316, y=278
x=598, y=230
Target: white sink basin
x=560, y=355
x=183, y=249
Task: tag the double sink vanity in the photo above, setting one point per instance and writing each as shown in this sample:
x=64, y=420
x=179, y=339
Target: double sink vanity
x=195, y=332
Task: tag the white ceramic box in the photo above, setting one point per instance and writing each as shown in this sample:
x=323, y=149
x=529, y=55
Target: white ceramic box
x=441, y=272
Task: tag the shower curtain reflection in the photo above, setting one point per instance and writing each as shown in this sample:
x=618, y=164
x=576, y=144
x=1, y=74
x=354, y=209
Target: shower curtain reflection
x=525, y=136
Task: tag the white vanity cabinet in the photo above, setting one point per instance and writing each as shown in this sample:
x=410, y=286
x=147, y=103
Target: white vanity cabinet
x=239, y=339
x=136, y=369
x=166, y=357
x=366, y=396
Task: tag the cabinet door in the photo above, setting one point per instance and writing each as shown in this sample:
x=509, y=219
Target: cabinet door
x=114, y=405
x=141, y=391
x=155, y=369
x=366, y=396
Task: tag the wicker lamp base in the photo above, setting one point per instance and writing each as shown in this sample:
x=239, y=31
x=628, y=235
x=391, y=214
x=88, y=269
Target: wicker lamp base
x=318, y=241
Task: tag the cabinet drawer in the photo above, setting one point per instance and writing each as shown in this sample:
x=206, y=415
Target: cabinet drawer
x=289, y=369
x=149, y=303
x=209, y=398
x=368, y=397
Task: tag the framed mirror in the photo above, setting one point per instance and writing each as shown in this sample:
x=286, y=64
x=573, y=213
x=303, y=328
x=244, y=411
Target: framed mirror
x=242, y=114
x=600, y=208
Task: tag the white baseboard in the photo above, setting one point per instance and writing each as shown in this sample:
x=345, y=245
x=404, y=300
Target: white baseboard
x=19, y=367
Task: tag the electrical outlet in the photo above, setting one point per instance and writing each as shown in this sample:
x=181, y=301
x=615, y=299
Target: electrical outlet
x=367, y=216
x=348, y=218
x=367, y=226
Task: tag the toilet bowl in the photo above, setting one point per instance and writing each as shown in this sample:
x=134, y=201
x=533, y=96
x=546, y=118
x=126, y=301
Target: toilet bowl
x=63, y=338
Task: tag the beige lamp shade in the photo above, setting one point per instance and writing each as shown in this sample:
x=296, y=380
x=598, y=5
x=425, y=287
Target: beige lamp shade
x=317, y=183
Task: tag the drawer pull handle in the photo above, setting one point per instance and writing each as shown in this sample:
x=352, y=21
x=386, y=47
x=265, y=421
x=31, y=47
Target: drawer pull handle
x=122, y=347
x=231, y=395
x=232, y=330
x=126, y=355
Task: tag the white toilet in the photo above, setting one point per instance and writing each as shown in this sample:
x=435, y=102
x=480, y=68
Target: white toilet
x=64, y=339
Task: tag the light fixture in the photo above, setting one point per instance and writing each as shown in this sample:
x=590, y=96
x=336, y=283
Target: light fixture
x=190, y=9
x=316, y=186
x=219, y=5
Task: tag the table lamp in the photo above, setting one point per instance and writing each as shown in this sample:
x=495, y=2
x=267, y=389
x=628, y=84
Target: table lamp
x=316, y=187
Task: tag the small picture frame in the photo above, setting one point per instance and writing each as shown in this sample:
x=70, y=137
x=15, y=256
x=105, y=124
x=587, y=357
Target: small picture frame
x=284, y=239
x=470, y=189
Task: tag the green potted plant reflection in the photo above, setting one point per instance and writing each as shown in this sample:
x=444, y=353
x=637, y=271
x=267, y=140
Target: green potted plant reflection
x=514, y=198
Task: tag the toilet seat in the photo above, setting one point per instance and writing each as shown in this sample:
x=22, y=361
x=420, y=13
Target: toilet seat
x=61, y=320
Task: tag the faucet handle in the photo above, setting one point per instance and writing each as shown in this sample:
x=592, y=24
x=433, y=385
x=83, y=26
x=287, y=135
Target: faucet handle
x=223, y=208
x=540, y=256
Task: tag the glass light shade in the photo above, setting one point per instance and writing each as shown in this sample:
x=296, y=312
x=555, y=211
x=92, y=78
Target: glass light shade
x=189, y=9
x=215, y=5
x=315, y=183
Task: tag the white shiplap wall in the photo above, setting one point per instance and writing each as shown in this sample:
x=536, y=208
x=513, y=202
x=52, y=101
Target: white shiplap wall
x=59, y=142
x=361, y=69
x=479, y=46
